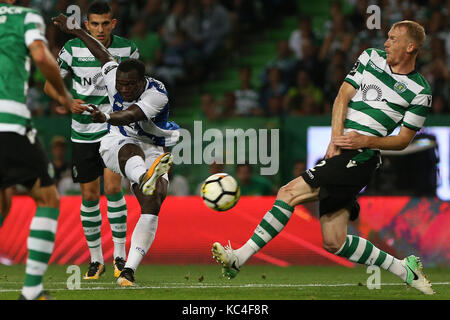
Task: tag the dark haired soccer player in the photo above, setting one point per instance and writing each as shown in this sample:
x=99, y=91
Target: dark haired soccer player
x=22, y=158
x=382, y=91
x=77, y=62
x=138, y=131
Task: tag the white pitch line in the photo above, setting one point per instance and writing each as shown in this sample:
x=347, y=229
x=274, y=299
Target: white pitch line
x=222, y=286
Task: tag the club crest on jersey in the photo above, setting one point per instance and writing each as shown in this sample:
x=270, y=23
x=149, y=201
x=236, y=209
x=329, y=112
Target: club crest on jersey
x=371, y=92
x=400, y=87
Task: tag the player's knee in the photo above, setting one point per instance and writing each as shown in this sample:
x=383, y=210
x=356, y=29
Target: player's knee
x=332, y=245
x=90, y=195
x=285, y=193
x=295, y=192
x=90, y=191
x=112, y=188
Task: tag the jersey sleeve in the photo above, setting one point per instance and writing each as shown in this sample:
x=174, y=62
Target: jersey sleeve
x=417, y=112
x=64, y=61
x=34, y=28
x=354, y=77
x=109, y=71
x=152, y=102
x=134, y=51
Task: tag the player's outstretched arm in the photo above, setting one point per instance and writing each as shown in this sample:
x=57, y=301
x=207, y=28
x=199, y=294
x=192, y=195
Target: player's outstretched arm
x=77, y=106
x=94, y=46
x=118, y=118
x=47, y=65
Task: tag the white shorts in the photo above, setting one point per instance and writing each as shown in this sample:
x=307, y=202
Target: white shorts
x=112, y=143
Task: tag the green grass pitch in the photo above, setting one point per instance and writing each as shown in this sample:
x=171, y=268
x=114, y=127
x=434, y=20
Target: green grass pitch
x=204, y=282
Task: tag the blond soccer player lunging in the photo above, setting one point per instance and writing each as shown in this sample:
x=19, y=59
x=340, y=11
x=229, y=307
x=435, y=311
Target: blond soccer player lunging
x=381, y=92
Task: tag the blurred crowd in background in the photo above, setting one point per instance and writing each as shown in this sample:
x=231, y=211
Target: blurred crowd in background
x=184, y=41
x=305, y=76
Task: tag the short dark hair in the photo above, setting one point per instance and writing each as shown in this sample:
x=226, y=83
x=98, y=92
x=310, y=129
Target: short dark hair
x=132, y=64
x=99, y=7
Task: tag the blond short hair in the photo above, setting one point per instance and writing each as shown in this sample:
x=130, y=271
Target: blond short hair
x=414, y=31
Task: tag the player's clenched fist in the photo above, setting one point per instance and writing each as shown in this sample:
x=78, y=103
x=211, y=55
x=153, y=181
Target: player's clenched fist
x=96, y=115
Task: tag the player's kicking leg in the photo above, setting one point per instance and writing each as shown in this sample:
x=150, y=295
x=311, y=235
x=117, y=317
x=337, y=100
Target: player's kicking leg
x=159, y=167
x=150, y=188
x=362, y=251
x=295, y=192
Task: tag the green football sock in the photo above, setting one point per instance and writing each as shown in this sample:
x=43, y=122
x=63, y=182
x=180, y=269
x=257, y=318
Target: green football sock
x=117, y=216
x=91, y=219
x=40, y=247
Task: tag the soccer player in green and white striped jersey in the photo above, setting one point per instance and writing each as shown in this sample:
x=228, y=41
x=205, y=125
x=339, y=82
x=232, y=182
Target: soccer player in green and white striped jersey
x=22, y=158
x=77, y=62
x=381, y=92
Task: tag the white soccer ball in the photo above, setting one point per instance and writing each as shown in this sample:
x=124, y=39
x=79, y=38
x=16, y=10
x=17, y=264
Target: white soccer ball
x=220, y=192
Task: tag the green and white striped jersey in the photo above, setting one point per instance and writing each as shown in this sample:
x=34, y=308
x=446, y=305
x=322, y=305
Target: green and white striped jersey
x=384, y=99
x=87, y=83
x=19, y=27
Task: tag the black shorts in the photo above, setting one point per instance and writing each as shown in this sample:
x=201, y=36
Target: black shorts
x=341, y=178
x=87, y=164
x=23, y=162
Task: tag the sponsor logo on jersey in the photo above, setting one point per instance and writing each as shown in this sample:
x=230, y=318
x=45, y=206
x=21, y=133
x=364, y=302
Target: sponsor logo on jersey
x=97, y=78
x=109, y=68
x=375, y=67
x=11, y=10
x=371, y=92
x=85, y=59
x=88, y=81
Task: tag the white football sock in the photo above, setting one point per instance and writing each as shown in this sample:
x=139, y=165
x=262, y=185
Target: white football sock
x=135, y=168
x=142, y=239
x=245, y=252
x=398, y=269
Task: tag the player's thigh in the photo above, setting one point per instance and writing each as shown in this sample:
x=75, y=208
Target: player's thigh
x=23, y=161
x=87, y=165
x=112, y=181
x=115, y=150
x=297, y=191
x=334, y=229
